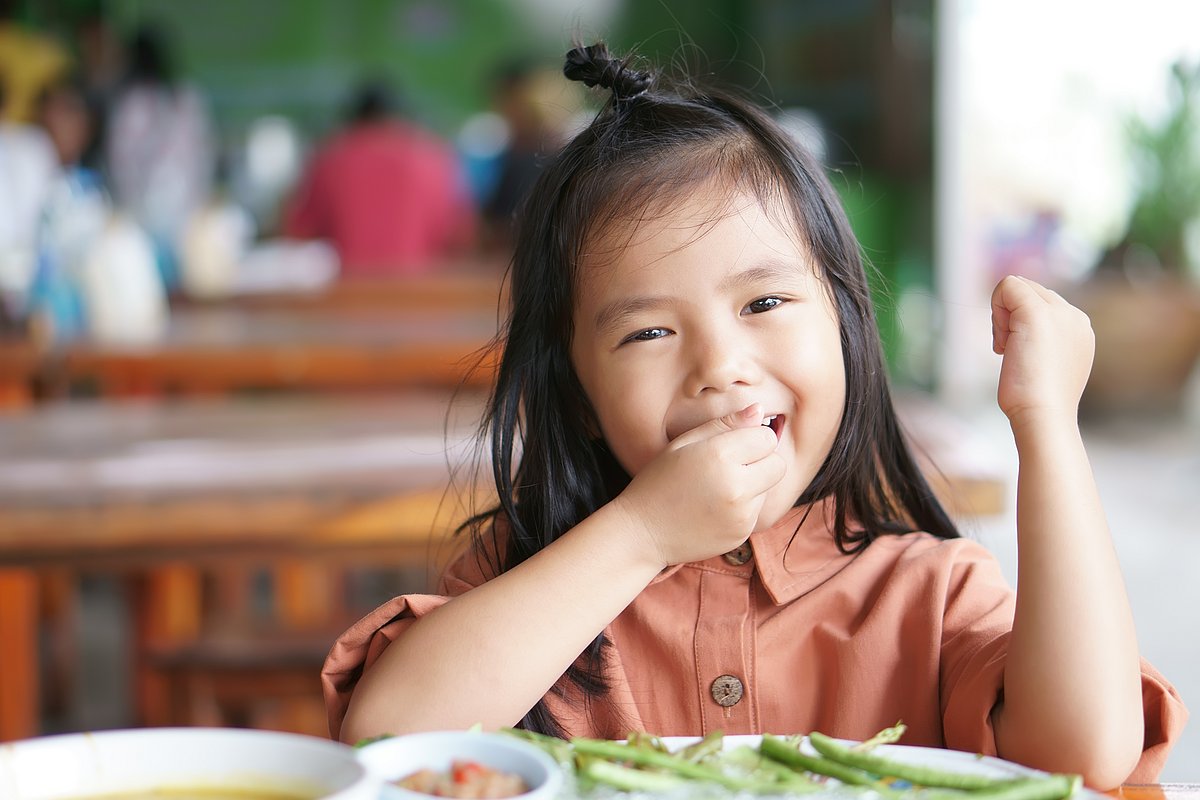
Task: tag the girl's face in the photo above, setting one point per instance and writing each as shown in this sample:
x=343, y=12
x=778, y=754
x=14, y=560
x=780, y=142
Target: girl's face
x=707, y=308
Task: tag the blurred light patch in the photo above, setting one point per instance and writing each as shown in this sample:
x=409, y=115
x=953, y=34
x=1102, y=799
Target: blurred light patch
x=484, y=136
x=272, y=153
x=806, y=128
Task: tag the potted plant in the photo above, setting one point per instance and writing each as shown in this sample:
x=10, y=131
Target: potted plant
x=1144, y=297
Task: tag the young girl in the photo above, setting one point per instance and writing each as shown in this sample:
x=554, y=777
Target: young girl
x=708, y=516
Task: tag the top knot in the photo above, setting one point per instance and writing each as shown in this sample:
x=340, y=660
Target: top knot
x=595, y=67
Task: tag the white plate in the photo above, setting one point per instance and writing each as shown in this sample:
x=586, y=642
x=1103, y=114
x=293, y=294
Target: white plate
x=957, y=760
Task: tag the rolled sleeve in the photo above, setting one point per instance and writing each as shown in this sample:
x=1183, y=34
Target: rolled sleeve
x=361, y=645
x=976, y=634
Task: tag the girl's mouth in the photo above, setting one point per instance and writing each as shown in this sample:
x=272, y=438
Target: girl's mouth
x=775, y=423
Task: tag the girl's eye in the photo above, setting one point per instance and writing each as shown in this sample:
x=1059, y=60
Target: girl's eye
x=648, y=335
x=764, y=304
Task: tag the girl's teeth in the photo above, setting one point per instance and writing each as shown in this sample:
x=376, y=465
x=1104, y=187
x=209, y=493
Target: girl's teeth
x=769, y=420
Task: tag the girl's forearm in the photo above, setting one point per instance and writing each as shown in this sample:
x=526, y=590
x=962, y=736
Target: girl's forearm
x=1072, y=696
x=489, y=655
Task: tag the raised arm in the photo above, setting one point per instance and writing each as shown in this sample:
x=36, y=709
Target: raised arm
x=1072, y=696
x=489, y=655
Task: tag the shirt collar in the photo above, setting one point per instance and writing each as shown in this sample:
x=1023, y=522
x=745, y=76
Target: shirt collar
x=798, y=553
x=794, y=556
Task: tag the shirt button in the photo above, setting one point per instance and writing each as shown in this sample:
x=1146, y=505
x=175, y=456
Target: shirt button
x=740, y=554
x=727, y=690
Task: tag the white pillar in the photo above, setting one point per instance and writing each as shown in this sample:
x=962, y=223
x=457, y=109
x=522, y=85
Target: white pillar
x=965, y=366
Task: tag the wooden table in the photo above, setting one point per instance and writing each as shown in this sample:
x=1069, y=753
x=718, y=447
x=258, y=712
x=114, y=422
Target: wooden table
x=222, y=348
x=470, y=286
x=154, y=489
x=19, y=361
x=1158, y=791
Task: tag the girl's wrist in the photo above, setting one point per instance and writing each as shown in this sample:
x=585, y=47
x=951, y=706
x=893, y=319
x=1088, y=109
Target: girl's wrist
x=633, y=534
x=1045, y=421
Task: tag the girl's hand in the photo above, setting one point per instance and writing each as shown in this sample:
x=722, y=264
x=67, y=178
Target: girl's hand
x=1047, y=346
x=702, y=495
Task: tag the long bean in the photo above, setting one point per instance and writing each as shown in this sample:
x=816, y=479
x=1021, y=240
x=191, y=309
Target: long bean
x=630, y=779
x=775, y=748
x=1049, y=787
x=652, y=758
x=914, y=773
x=785, y=778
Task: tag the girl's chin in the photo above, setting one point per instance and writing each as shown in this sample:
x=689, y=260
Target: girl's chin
x=770, y=516
x=779, y=504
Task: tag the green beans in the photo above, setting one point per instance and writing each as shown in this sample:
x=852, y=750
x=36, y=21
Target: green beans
x=630, y=779
x=1049, y=787
x=648, y=757
x=913, y=773
x=775, y=748
x=778, y=766
x=947, y=785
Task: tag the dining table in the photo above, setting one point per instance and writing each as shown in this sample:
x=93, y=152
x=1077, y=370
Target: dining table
x=222, y=348
x=1157, y=791
x=467, y=285
x=152, y=489
x=430, y=329
x=18, y=368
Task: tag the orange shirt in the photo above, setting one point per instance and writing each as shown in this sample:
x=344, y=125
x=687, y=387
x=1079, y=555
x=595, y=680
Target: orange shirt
x=799, y=637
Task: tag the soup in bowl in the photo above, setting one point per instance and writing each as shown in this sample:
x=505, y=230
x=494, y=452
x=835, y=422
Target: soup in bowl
x=183, y=764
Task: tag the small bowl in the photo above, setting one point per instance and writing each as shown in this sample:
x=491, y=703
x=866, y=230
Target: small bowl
x=81, y=766
x=390, y=759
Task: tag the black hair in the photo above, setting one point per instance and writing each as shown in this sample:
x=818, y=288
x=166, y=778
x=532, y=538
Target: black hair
x=374, y=99
x=150, y=57
x=650, y=144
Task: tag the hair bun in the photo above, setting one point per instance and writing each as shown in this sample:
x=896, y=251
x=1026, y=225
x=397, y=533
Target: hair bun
x=595, y=67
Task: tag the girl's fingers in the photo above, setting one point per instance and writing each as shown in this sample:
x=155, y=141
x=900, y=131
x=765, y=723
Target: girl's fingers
x=761, y=475
x=1049, y=295
x=1000, y=317
x=746, y=445
x=749, y=417
x=1010, y=295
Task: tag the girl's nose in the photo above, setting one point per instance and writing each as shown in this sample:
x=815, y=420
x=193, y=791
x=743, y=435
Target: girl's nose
x=719, y=364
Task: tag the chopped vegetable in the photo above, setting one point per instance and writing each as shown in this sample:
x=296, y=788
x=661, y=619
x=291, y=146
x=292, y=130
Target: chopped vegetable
x=782, y=766
x=465, y=779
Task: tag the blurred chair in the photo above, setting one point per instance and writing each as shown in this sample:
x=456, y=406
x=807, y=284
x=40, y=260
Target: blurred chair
x=243, y=647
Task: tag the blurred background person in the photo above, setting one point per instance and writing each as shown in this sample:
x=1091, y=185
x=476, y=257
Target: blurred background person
x=102, y=70
x=161, y=148
x=28, y=169
x=390, y=195
x=531, y=137
x=29, y=61
x=69, y=119
x=73, y=214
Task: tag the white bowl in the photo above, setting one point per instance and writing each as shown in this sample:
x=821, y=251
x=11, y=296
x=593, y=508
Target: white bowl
x=86, y=765
x=390, y=759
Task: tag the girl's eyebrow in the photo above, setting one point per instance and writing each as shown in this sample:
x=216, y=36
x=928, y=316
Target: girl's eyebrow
x=612, y=315
x=766, y=271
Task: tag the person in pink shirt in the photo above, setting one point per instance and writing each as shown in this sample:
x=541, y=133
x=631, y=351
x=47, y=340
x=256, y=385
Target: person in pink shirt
x=709, y=517
x=390, y=196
